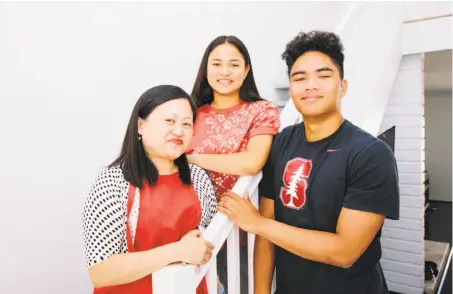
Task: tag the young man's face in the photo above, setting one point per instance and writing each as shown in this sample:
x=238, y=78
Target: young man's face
x=315, y=85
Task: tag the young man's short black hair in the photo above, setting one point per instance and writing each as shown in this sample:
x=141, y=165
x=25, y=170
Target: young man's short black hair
x=324, y=42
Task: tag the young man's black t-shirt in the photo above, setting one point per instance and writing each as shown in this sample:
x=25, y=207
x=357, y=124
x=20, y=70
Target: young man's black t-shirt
x=310, y=182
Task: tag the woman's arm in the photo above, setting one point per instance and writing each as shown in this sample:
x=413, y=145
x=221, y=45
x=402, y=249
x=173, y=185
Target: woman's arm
x=104, y=229
x=129, y=267
x=246, y=163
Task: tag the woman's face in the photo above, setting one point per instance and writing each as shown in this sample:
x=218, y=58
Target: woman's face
x=168, y=129
x=226, y=69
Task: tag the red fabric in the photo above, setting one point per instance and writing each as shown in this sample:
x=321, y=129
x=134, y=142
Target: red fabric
x=223, y=131
x=167, y=212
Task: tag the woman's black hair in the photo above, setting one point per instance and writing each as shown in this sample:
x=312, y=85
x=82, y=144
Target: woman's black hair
x=134, y=162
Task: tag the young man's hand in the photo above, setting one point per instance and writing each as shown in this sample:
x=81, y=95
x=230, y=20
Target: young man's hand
x=240, y=210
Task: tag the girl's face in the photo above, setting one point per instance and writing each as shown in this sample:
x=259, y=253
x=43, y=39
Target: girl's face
x=226, y=69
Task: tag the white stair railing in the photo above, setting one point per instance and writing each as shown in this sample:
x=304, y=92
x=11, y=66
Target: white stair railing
x=179, y=279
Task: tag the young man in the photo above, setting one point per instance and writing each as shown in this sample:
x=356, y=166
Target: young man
x=326, y=189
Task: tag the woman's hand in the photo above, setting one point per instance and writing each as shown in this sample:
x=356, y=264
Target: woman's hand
x=193, y=249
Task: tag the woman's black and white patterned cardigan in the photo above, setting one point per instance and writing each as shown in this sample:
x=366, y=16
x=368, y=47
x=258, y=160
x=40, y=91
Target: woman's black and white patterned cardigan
x=104, y=215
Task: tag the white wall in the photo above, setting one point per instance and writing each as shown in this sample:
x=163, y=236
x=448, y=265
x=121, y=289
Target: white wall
x=371, y=65
x=438, y=108
x=369, y=90
x=370, y=79
x=70, y=75
x=403, y=239
x=428, y=27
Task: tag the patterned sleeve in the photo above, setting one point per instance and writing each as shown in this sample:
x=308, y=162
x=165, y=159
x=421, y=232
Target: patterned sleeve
x=104, y=217
x=205, y=191
x=267, y=121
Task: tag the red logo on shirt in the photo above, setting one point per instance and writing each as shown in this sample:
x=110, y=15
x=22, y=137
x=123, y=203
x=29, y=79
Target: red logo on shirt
x=295, y=180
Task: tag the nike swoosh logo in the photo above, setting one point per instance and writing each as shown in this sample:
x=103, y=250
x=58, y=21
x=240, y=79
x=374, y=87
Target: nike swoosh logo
x=332, y=150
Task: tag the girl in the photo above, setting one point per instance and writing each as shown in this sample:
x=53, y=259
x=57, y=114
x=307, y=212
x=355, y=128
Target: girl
x=142, y=210
x=235, y=126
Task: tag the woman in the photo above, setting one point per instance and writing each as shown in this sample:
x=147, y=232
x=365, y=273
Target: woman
x=235, y=126
x=142, y=210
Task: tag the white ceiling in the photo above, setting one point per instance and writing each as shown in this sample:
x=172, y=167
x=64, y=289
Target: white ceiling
x=438, y=77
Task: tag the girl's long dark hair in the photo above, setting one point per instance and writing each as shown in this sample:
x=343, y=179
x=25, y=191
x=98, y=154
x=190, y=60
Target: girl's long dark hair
x=202, y=91
x=134, y=162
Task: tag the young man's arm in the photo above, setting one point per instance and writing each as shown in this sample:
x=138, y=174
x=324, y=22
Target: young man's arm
x=263, y=261
x=372, y=194
x=355, y=231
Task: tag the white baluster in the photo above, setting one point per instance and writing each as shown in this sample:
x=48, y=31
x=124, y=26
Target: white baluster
x=211, y=276
x=274, y=282
x=254, y=197
x=233, y=261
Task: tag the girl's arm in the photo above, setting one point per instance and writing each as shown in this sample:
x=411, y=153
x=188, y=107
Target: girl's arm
x=246, y=163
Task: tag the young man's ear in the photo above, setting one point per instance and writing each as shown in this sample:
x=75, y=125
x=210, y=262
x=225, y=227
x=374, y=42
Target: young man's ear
x=344, y=87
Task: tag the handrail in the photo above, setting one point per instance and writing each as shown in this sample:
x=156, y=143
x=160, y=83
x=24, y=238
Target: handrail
x=429, y=18
x=216, y=233
x=212, y=233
